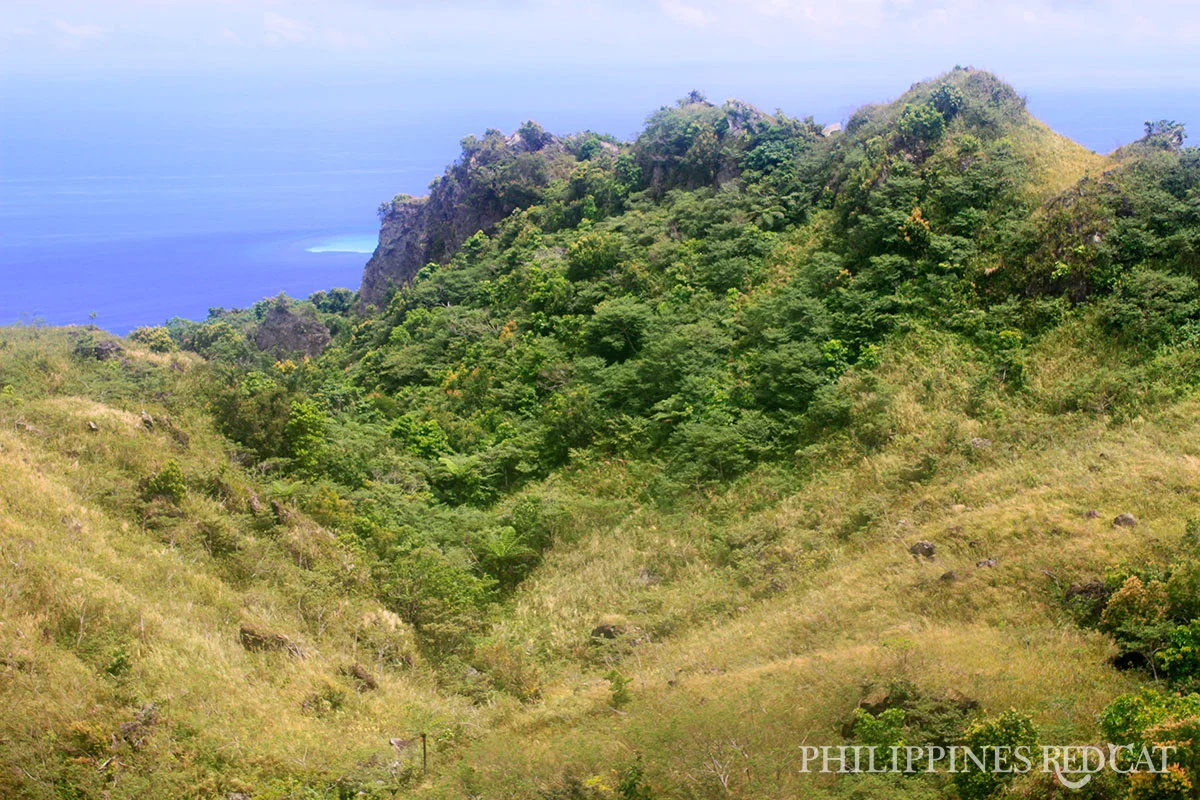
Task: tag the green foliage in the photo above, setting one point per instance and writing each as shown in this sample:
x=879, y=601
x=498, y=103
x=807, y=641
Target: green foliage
x=1150, y=307
x=1179, y=659
x=304, y=433
x=504, y=555
x=1157, y=619
x=921, y=123
x=618, y=328
x=437, y=594
x=1007, y=730
x=157, y=339
x=1165, y=134
x=618, y=689
x=1150, y=718
x=883, y=732
x=168, y=482
x=424, y=438
x=592, y=254
x=948, y=100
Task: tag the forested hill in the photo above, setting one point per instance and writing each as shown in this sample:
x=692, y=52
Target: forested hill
x=631, y=467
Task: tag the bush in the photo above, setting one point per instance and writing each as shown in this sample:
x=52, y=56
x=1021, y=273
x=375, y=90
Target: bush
x=921, y=123
x=168, y=482
x=443, y=600
x=883, y=731
x=157, y=339
x=1150, y=306
x=1010, y=730
x=618, y=328
x=1149, y=718
x=592, y=254
x=1179, y=659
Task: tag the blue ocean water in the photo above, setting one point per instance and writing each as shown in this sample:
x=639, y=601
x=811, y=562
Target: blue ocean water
x=141, y=200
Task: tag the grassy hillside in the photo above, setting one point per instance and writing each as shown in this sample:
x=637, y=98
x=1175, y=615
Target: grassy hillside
x=191, y=645
x=731, y=439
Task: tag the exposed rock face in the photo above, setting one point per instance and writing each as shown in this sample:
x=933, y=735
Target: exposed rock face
x=287, y=330
x=495, y=176
x=403, y=244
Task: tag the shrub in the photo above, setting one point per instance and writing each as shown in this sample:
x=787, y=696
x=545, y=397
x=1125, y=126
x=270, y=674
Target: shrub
x=157, y=339
x=947, y=99
x=442, y=599
x=1151, y=718
x=423, y=438
x=618, y=328
x=1179, y=659
x=618, y=689
x=921, y=123
x=1010, y=730
x=591, y=255
x=1150, y=306
x=168, y=482
x=883, y=731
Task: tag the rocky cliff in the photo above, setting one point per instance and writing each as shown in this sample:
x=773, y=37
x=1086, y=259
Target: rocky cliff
x=494, y=176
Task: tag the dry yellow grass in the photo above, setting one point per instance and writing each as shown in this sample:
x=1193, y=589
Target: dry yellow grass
x=104, y=612
x=1056, y=162
x=745, y=679
x=754, y=620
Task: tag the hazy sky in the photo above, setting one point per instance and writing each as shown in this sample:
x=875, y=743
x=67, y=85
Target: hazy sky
x=1046, y=43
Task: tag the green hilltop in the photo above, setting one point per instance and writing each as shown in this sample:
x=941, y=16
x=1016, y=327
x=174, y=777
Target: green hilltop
x=632, y=468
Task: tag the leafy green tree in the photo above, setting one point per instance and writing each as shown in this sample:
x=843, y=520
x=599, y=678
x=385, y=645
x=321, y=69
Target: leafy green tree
x=618, y=328
x=1149, y=307
x=591, y=255
x=305, y=434
x=921, y=123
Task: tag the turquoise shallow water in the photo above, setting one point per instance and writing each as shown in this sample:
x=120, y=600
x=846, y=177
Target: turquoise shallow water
x=346, y=243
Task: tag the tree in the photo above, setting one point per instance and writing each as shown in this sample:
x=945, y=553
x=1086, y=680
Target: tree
x=1166, y=134
x=617, y=328
x=921, y=123
x=304, y=434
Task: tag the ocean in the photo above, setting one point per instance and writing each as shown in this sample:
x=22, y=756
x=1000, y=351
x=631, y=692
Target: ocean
x=131, y=202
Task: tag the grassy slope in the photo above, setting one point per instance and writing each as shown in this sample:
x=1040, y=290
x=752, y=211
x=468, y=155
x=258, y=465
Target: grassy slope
x=743, y=677
x=110, y=603
x=755, y=621
x=1057, y=163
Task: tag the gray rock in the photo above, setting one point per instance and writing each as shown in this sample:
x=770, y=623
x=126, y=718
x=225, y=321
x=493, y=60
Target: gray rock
x=607, y=631
x=987, y=563
x=288, y=329
x=648, y=577
x=923, y=549
x=1125, y=520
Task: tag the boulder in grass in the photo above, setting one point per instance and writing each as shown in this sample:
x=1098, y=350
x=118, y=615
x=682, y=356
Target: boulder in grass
x=923, y=549
x=258, y=641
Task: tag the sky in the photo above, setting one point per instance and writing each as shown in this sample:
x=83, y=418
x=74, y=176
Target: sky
x=1037, y=43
